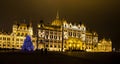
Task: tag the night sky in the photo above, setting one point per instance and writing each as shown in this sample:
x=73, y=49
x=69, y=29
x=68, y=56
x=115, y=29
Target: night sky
x=102, y=16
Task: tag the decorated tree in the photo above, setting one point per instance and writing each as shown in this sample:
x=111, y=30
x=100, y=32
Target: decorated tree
x=27, y=45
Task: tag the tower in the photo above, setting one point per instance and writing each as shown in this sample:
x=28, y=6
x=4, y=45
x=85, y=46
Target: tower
x=30, y=29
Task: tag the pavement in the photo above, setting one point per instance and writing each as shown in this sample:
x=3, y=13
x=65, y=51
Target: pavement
x=38, y=57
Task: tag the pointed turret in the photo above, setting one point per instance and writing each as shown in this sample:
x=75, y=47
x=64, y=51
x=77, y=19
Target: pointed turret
x=57, y=16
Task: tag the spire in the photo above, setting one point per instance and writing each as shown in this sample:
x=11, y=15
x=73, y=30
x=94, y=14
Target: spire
x=57, y=17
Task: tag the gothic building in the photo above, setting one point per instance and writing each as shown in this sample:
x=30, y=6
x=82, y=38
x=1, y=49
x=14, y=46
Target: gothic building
x=61, y=36
x=16, y=38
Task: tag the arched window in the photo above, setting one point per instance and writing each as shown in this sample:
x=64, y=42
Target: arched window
x=22, y=34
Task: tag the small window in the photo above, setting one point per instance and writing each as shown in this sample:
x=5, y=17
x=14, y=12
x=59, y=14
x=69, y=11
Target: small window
x=17, y=45
x=8, y=45
x=65, y=25
x=46, y=45
x=4, y=38
x=55, y=46
x=12, y=45
x=58, y=46
x=50, y=45
x=17, y=39
x=8, y=38
x=64, y=46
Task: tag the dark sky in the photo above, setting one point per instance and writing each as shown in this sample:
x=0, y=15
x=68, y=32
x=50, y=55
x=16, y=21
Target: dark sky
x=101, y=16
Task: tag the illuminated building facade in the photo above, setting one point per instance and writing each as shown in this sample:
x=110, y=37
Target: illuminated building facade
x=57, y=36
x=61, y=34
x=16, y=38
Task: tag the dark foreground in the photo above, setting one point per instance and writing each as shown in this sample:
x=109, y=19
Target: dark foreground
x=58, y=58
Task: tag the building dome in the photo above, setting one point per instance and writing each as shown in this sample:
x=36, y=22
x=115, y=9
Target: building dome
x=57, y=22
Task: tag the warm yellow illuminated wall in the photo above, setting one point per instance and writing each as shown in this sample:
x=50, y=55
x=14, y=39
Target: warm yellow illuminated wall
x=104, y=46
x=74, y=43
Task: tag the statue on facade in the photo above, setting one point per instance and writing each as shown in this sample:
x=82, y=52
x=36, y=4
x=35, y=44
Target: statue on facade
x=27, y=45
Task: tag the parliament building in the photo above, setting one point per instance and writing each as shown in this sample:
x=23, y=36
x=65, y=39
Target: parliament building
x=16, y=39
x=60, y=35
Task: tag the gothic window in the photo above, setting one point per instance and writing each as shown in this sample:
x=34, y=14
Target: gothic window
x=26, y=34
x=4, y=38
x=51, y=32
x=47, y=32
x=46, y=45
x=20, y=28
x=18, y=34
x=55, y=41
x=70, y=26
x=8, y=38
x=59, y=37
x=58, y=46
x=46, y=36
x=55, y=37
x=51, y=36
x=24, y=28
x=65, y=25
x=17, y=39
x=64, y=46
x=74, y=34
x=55, y=46
x=50, y=45
x=22, y=34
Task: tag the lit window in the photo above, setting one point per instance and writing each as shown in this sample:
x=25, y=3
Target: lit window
x=64, y=46
x=74, y=34
x=59, y=37
x=46, y=36
x=55, y=37
x=65, y=25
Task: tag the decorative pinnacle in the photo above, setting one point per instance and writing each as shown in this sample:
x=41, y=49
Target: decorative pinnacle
x=57, y=17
